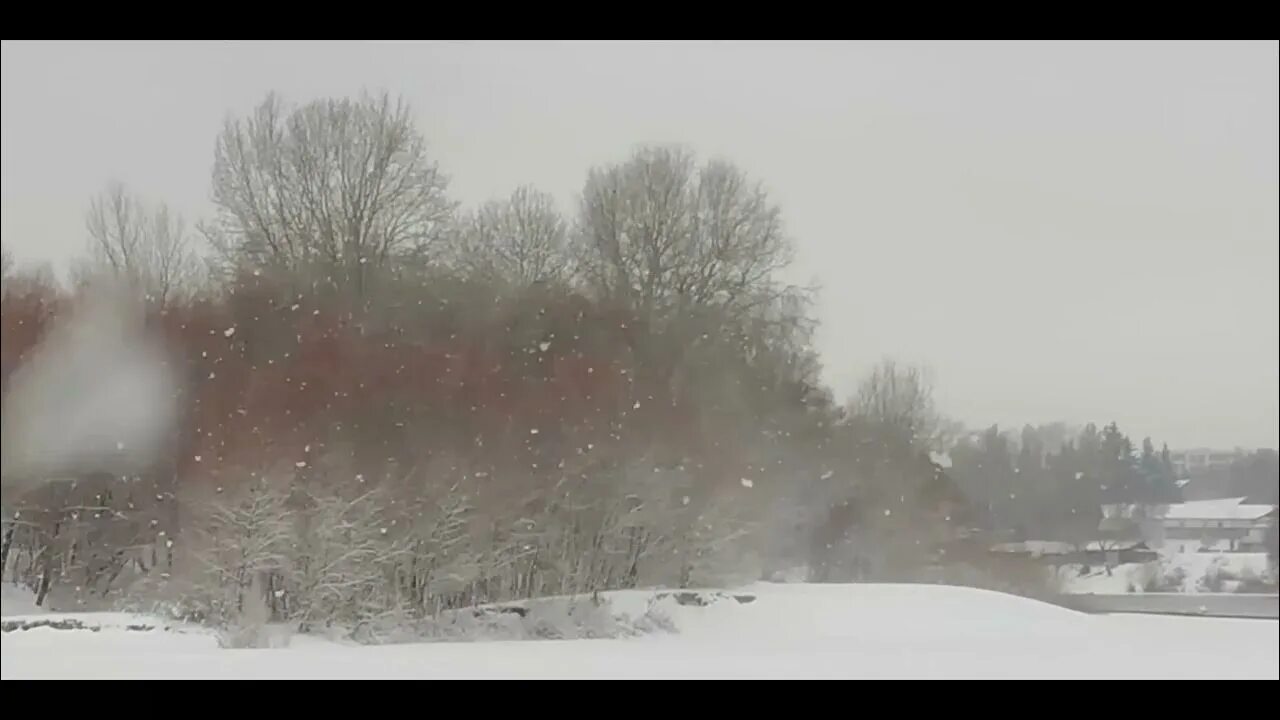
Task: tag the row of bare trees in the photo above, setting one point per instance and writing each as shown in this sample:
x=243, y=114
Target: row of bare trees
x=344, y=191
x=390, y=406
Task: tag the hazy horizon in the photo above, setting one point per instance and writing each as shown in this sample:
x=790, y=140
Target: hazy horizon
x=1061, y=231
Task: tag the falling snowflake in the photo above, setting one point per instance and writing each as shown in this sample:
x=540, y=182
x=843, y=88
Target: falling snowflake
x=533, y=431
x=300, y=464
x=544, y=346
x=684, y=500
x=636, y=406
x=887, y=512
x=198, y=458
x=229, y=332
x=746, y=483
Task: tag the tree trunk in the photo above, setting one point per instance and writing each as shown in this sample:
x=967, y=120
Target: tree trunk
x=46, y=579
x=4, y=549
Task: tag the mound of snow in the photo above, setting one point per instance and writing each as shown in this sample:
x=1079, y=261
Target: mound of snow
x=869, y=612
x=782, y=631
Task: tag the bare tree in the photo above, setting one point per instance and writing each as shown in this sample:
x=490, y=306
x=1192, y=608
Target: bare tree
x=658, y=233
x=336, y=186
x=899, y=399
x=521, y=240
x=148, y=246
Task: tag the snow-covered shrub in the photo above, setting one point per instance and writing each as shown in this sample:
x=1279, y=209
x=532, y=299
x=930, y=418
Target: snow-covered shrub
x=342, y=560
x=654, y=620
x=1168, y=579
x=230, y=572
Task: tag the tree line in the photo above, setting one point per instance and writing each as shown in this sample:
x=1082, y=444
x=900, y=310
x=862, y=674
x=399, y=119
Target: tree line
x=1051, y=481
x=390, y=405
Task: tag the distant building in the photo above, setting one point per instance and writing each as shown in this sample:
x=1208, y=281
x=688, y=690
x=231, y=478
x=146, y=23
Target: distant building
x=1228, y=524
x=1190, y=462
x=1225, y=525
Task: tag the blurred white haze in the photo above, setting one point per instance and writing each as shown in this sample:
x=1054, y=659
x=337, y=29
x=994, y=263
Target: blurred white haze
x=97, y=395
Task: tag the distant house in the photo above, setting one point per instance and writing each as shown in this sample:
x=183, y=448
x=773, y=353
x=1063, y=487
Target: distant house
x=1225, y=525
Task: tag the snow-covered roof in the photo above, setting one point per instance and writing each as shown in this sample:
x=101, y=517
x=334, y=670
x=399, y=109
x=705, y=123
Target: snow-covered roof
x=1222, y=509
x=1035, y=547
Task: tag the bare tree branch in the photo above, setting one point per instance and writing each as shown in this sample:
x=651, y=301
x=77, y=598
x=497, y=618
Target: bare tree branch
x=340, y=187
x=661, y=234
x=147, y=246
x=521, y=240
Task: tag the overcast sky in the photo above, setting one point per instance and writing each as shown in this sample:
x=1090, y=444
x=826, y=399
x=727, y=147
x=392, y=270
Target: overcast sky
x=1059, y=230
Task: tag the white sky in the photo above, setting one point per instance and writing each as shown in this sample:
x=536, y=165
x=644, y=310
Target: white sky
x=1060, y=230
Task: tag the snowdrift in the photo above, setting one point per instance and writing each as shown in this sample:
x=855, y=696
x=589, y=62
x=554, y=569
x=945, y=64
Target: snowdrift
x=763, y=631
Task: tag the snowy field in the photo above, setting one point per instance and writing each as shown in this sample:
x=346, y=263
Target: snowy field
x=1186, y=572
x=787, y=631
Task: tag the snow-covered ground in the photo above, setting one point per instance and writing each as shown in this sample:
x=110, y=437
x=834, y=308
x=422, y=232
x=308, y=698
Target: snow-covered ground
x=18, y=601
x=1188, y=572
x=787, y=631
